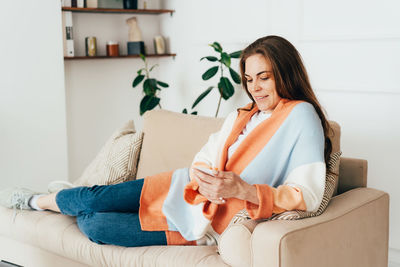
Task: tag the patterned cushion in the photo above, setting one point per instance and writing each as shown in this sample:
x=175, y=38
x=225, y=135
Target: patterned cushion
x=331, y=181
x=116, y=161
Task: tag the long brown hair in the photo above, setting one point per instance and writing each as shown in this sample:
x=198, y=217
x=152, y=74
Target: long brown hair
x=291, y=78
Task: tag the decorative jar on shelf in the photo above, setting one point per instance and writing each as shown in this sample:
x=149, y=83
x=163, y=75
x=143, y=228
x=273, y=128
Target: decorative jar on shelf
x=112, y=49
x=130, y=4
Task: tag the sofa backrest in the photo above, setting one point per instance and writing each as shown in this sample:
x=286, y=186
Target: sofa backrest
x=172, y=139
x=352, y=174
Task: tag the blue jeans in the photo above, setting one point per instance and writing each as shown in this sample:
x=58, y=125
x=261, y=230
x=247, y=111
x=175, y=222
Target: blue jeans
x=108, y=214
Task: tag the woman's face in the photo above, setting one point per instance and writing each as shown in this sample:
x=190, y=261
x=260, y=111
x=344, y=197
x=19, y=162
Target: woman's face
x=261, y=83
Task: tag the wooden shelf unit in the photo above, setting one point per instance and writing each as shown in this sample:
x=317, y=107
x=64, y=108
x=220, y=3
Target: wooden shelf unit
x=120, y=56
x=119, y=11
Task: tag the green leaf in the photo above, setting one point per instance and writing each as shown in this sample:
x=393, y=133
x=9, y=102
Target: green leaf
x=162, y=84
x=209, y=73
x=226, y=59
x=155, y=84
x=137, y=80
x=139, y=72
x=236, y=54
x=217, y=47
x=150, y=87
x=148, y=103
x=142, y=57
x=225, y=88
x=194, y=113
x=203, y=95
x=153, y=67
x=235, y=76
x=184, y=111
x=147, y=87
x=209, y=58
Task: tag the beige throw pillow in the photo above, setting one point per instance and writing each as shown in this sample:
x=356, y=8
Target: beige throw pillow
x=116, y=161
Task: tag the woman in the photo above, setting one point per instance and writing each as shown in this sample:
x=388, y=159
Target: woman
x=268, y=157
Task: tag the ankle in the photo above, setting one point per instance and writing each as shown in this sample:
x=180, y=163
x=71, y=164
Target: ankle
x=48, y=202
x=34, y=202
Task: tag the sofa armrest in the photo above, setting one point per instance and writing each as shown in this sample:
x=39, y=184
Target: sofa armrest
x=353, y=231
x=352, y=174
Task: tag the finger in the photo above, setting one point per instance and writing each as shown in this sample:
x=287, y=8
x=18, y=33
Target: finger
x=216, y=189
x=204, y=177
x=196, y=177
x=216, y=173
x=208, y=178
x=211, y=192
x=208, y=192
x=210, y=196
x=226, y=175
x=219, y=175
x=204, y=174
x=200, y=180
x=203, y=183
x=213, y=188
x=217, y=201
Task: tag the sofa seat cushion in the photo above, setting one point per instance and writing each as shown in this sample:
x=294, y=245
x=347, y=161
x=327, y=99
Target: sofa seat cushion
x=59, y=234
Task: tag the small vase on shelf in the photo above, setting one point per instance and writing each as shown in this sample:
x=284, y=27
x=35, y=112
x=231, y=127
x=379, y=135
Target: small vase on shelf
x=135, y=43
x=92, y=4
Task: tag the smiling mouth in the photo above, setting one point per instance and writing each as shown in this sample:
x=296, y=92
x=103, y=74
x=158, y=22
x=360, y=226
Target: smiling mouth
x=260, y=97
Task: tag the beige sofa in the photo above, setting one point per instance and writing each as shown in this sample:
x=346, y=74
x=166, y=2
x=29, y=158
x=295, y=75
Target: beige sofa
x=353, y=231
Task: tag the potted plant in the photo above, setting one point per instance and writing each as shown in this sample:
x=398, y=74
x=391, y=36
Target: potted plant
x=151, y=86
x=225, y=87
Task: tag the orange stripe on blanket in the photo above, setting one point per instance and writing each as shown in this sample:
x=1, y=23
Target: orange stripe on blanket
x=191, y=193
x=241, y=121
x=265, y=205
x=175, y=238
x=288, y=198
x=225, y=213
x=257, y=139
x=154, y=192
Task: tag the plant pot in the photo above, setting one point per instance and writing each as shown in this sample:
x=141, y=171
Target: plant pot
x=130, y=4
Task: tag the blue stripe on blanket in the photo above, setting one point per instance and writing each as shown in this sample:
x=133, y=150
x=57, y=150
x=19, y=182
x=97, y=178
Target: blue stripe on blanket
x=181, y=216
x=299, y=140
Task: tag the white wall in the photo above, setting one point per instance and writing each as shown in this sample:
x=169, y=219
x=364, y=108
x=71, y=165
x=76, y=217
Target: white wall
x=33, y=142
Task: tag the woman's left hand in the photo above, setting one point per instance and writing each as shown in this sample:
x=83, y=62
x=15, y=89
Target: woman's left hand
x=223, y=185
